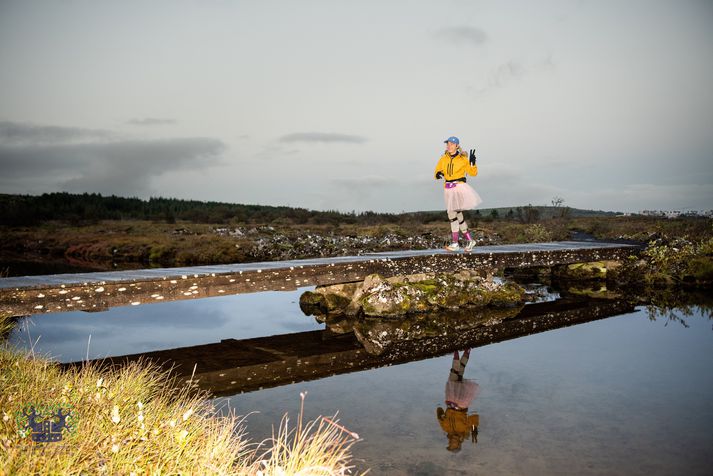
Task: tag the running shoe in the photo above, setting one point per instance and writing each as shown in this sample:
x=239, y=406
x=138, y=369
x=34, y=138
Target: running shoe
x=453, y=247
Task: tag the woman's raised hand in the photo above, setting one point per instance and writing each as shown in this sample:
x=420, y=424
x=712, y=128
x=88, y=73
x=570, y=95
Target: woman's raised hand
x=472, y=157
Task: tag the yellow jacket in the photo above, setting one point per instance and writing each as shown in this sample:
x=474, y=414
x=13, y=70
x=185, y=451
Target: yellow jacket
x=455, y=167
x=457, y=421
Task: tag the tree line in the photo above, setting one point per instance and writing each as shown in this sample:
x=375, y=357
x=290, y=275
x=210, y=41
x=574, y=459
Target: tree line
x=28, y=210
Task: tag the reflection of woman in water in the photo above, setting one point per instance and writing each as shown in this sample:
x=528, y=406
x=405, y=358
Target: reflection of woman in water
x=460, y=392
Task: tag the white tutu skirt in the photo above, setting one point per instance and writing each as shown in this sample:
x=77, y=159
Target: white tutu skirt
x=462, y=393
x=461, y=197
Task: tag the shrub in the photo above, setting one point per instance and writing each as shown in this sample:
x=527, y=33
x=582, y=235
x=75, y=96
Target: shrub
x=537, y=233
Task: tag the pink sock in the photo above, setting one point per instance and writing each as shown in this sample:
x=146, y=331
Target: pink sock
x=467, y=236
x=455, y=236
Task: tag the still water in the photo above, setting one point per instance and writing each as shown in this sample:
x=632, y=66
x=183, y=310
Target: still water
x=622, y=395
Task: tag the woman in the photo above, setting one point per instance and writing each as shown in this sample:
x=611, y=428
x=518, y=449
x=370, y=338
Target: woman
x=453, y=166
x=460, y=392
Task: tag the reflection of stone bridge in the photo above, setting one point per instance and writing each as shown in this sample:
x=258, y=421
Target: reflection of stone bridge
x=99, y=291
x=233, y=366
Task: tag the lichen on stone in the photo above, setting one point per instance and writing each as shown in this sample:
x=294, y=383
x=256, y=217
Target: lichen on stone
x=404, y=295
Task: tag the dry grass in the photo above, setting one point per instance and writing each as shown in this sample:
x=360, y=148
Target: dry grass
x=136, y=420
x=135, y=241
x=634, y=228
x=301, y=450
x=128, y=420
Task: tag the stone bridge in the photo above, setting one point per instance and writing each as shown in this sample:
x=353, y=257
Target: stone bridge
x=21, y=296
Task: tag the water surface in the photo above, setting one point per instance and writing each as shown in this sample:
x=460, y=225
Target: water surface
x=623, y=395
x=133, y=329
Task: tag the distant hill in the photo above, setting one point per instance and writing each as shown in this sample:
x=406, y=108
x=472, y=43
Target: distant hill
x=92, y=207
x=550, y=212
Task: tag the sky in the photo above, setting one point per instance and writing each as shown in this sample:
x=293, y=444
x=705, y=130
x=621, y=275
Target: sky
x=336, y=105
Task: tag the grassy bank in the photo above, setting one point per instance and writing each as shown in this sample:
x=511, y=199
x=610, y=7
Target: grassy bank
x=137, y=420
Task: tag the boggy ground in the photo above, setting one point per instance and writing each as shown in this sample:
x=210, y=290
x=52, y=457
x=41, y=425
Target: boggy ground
x=134, y=244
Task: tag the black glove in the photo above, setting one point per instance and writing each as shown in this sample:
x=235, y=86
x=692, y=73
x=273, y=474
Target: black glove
x=472, y=157
x=439, y=175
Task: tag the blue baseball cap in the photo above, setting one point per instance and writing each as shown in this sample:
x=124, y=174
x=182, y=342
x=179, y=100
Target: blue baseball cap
x=453, y=139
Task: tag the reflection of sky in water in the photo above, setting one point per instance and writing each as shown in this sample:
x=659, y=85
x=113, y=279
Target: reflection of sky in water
x=134, y=329
x=619, y=396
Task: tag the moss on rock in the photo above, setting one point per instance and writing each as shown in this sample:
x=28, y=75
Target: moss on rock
x=403, y=295
x=325, y=300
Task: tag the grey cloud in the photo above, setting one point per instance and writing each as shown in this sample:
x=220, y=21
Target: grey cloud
x=18, y=133
x=463, y=35
x=124, y=167
x=150, y=121
x=511, y=71
x=132, y=165
x=323, y=137
x=506, y=72
x=19, y=162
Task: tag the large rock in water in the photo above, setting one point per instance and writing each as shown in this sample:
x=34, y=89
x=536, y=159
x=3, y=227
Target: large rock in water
x=335, y=299
x=403, y=295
